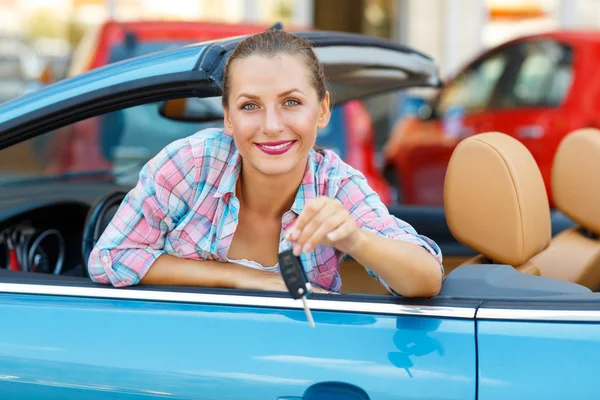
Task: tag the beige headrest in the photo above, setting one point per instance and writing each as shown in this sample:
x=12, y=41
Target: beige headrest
x=495, y=200
x=576, y=179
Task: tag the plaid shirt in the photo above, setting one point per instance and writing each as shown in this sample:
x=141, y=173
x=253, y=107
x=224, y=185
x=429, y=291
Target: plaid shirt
x=185, y=205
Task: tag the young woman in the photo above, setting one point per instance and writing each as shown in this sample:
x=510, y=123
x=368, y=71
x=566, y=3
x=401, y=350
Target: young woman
x=216, y=208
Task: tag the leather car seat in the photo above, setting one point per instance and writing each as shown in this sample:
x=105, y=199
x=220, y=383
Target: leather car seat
x=496, y=203
x=574, y=254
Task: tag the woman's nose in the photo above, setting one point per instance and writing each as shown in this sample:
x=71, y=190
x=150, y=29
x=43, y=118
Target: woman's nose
x=273, y=123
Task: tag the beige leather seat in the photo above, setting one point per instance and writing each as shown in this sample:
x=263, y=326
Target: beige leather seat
x=496, y=203
x=574, y=254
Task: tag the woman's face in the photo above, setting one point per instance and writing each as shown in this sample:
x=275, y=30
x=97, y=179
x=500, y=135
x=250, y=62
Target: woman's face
x=273, y=113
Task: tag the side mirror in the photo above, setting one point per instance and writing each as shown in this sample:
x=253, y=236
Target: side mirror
x=192, y=109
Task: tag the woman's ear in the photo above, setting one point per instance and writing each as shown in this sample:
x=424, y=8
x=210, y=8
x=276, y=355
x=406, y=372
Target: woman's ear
x=324, y=112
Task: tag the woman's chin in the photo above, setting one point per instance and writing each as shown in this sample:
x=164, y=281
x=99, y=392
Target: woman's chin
x=276, y=170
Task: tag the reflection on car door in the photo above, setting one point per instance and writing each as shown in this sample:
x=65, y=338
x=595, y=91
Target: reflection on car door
x=91, y=342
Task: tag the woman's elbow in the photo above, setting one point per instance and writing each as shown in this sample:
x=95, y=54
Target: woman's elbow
x=102, y=268
x=426, y=284
x=431, y=287
x=108, y=277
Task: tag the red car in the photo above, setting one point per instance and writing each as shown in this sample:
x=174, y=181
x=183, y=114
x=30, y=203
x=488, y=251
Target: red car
x=350, y=133
x=536, y=88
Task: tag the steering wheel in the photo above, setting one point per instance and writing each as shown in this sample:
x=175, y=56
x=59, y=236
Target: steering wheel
x=98, y=218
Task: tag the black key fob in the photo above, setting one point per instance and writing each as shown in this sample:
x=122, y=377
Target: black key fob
x=294, y=275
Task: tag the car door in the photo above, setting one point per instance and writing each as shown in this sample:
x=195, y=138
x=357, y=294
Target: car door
x=537, y=337
x=545, y=349
x=76, y=340
x=65, y=337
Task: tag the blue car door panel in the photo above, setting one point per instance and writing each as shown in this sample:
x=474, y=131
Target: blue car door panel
x=539, y=351
x=92, y=342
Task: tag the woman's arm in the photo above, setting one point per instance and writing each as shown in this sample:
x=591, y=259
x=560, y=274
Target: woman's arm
x=408, y=269
x=135, y=237
x=405, y=262
x=175, y=271
x=352, y=218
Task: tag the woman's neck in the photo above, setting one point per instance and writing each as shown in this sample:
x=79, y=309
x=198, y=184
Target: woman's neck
x=268, y=196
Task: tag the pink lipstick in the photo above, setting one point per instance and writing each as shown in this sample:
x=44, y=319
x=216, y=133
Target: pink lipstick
x=275, y=148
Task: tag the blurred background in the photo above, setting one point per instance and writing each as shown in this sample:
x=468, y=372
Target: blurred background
x=35, y=34
x=44, y=41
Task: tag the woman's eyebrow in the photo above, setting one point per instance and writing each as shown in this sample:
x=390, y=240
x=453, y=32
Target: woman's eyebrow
x=282, y=94
x=290, y=91
x=250, y=96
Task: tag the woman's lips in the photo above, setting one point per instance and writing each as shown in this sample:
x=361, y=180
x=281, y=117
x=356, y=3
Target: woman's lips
x=275, y=148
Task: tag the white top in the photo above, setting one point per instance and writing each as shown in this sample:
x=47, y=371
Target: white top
x=255, y=265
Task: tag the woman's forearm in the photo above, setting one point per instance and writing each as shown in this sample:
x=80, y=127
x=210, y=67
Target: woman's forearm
x=175, y=271
x=407, y=268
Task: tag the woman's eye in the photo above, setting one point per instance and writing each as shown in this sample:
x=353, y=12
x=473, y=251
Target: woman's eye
x=249, y=106
x=291, y=103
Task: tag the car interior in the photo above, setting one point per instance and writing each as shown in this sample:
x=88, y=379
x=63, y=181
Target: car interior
x=577, y=196
x=498, y=211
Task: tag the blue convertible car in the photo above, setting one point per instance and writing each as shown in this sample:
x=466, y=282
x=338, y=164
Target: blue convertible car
x=518, y=318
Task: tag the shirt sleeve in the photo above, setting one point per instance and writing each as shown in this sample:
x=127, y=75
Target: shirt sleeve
x=135, y=237
x=372, y=215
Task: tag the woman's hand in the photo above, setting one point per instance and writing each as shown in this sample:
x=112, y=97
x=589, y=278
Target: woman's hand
x=324, y=221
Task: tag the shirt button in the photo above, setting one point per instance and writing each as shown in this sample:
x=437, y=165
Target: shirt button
x=105, y=259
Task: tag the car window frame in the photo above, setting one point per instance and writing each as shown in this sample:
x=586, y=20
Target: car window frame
x=507, y=49
x=520, y=57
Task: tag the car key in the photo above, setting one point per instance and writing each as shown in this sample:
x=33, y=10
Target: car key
x=295, y=279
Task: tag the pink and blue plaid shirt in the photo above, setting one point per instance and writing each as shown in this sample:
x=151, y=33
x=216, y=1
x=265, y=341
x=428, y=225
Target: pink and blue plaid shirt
x=185, y=205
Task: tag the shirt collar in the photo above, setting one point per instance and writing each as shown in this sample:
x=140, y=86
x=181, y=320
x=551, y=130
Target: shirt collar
x=307, y=190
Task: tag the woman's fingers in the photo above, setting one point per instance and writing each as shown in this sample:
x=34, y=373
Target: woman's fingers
x=342, y=231
x=311, y=209
x=327, y=217
x=323, y=221
x=322, y=229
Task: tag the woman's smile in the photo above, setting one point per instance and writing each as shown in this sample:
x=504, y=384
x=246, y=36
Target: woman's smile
x=276, y=148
